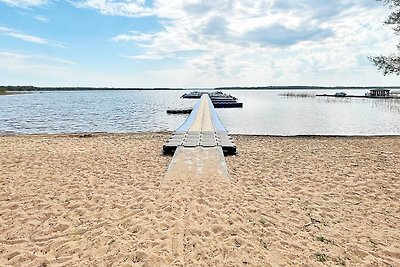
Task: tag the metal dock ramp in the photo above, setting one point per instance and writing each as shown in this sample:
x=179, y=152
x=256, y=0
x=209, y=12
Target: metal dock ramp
x=201, y=129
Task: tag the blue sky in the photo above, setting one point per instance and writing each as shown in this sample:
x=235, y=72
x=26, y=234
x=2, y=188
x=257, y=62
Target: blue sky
x=192, y=43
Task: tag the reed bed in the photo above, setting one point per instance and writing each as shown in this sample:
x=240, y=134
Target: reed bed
x=392, y=104
x=395, y=93
x=298, y=94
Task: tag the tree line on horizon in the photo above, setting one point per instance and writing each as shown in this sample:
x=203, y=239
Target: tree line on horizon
x=4, y=89
x=38, y=88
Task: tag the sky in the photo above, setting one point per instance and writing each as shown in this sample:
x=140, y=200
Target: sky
x=193, y=43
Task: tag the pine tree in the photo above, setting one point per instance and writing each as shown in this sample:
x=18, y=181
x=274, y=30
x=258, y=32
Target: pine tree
x=390, y=64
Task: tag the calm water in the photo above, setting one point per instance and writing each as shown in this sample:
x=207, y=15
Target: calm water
x=264, y=112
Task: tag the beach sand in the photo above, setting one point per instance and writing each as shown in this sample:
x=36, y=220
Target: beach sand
x=102, y=200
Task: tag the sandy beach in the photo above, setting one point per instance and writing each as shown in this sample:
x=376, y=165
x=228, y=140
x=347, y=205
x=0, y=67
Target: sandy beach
x=102, y=200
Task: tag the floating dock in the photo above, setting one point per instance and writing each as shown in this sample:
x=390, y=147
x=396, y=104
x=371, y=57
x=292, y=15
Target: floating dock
x=179, y=111
x=201, y=129
x=219, y=99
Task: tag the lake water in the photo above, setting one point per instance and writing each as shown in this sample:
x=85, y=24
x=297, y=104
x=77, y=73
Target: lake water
x=264, y=112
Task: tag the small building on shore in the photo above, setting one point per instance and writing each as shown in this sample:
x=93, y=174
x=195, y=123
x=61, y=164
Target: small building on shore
x=379, y=92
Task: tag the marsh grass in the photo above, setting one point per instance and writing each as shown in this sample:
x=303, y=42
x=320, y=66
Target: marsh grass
x=298, y=94
x=340, y=261
x=395, y=92
x=335, y=99
x=388, y=104
x=3, y=91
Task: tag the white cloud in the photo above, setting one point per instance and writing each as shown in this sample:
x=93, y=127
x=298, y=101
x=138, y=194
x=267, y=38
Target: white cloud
x=270, y=41
x=133, y=36
x=249, y=42
x=148, y=57
x=42, y=19
x=129, y=8
x=22, y=57
x=25, y=3
x=29, y=38
x=17, y=68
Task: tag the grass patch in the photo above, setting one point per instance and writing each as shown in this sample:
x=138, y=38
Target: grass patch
x=3, y=91
x=321, y=257
x=340, y=261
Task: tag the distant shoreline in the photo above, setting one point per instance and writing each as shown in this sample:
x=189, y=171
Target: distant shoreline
x=308, y=88
x=34, y=88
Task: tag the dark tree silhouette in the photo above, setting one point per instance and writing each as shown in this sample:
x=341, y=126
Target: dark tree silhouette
x=390, y=64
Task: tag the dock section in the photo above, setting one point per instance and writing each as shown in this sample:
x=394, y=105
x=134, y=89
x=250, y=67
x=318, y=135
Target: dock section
x=201, y=129
x=219, y=99
x=196, y=183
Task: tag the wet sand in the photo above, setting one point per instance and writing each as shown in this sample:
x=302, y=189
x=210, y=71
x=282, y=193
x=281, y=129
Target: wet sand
x=102, y=200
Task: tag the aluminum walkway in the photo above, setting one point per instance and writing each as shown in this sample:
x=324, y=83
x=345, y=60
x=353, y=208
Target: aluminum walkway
x=201, y=129
x=196, y=180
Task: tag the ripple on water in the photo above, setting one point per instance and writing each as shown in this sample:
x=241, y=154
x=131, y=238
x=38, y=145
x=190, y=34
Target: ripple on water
x=264, y=112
